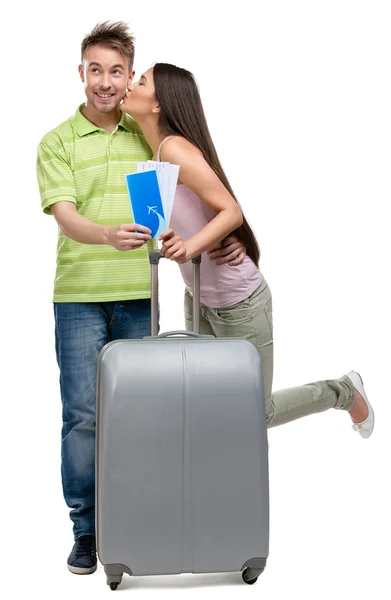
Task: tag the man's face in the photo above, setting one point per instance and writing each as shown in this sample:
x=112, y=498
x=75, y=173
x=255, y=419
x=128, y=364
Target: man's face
x=105, y=74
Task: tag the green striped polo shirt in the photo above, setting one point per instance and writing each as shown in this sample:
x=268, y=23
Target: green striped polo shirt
x=79, y=162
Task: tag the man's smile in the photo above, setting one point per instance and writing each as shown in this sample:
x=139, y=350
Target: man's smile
x=104, y=96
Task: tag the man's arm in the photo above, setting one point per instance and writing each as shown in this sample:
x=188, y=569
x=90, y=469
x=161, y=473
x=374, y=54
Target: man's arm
x=80, y=229
x=58, y=197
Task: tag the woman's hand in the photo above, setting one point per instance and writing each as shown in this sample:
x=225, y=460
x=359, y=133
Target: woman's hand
x=174, y=247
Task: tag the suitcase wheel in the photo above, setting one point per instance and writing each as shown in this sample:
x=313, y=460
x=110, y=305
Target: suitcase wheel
x=114, y=576
x=250, y=576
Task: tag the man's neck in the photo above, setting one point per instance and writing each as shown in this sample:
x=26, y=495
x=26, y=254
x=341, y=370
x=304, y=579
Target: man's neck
x=107, y=121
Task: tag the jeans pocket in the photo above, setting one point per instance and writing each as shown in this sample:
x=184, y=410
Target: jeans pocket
x=238, y=313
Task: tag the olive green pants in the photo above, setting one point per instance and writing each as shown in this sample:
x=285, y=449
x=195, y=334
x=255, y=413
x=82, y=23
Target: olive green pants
x=252, y=320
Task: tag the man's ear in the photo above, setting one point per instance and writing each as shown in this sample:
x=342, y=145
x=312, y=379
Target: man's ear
x=81, y=73
x=130, y=78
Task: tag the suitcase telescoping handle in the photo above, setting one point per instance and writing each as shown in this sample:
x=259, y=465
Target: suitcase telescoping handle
x=154, y=258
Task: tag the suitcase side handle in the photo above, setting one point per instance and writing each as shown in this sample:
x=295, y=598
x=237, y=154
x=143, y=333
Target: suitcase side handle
x=154, y=259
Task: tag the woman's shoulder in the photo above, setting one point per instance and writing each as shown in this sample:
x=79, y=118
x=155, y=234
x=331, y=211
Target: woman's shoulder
x=177, y=148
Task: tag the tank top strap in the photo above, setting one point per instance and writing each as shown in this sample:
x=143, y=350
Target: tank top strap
x=161, y=144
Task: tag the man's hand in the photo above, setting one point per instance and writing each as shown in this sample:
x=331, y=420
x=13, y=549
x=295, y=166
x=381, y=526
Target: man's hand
x=173, y=247
x=229, y=250
x=127, y=237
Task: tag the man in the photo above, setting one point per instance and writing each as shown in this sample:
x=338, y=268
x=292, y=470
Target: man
x=101, y=291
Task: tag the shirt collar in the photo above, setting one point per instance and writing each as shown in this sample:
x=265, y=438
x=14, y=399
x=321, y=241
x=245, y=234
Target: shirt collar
x=83, y=126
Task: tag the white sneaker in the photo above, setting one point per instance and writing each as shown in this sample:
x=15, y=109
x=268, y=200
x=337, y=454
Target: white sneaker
x=364, y=428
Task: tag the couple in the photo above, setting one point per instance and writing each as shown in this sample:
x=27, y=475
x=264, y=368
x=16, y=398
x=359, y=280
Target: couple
x=102, y=292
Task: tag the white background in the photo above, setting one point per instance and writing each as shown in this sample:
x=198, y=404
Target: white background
x=297, y=96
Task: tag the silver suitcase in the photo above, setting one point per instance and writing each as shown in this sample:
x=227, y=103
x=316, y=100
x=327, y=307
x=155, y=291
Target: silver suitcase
x=181, y=454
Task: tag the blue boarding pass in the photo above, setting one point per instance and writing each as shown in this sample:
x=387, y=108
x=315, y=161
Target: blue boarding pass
x=146, y=202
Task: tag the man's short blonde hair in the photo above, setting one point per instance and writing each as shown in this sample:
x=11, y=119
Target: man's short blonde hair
x=112, y=35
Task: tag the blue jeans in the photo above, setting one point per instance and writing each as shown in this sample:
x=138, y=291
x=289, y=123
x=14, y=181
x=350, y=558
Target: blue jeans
x=82, y=329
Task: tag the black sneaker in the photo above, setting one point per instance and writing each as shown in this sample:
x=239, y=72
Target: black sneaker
x=82, y=559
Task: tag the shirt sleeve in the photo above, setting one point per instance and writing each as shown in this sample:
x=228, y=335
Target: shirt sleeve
x=55, y=178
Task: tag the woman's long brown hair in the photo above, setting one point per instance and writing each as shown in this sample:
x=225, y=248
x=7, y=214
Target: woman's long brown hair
x=181, y=113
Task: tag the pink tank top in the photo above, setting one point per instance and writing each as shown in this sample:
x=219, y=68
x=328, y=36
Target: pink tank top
x=221, y=285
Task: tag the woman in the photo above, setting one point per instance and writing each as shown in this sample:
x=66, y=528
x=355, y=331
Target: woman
x=236, y=300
